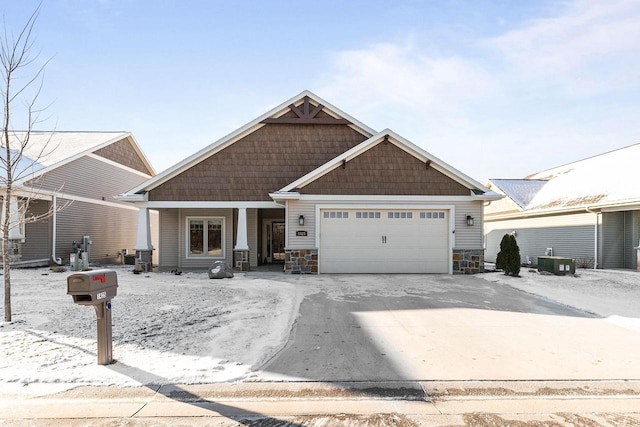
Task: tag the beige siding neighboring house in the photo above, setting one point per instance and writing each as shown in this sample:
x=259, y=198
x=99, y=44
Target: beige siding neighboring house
x=75, y=177
x=311, y=188
x=588, y=210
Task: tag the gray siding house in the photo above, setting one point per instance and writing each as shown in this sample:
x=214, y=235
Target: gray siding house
x=311, y=188
x=66, y=190
x=588, y=210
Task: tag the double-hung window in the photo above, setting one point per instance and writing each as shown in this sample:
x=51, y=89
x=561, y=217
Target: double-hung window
x=205, y=237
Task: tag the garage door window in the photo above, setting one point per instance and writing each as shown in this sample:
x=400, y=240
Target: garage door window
x=336, y=214
x=400, y=215
x=368, y=215
x=431, y=215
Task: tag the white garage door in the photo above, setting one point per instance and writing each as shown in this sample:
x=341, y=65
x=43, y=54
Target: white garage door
x=384, y=241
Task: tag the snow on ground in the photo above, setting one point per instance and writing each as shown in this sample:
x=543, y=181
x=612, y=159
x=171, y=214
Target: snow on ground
x=166, y=328
x=189, y=329
x=611, y=294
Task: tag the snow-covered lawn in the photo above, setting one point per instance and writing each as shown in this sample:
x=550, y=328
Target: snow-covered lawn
x=611, y=294
x=166, y=328
x=191, y=329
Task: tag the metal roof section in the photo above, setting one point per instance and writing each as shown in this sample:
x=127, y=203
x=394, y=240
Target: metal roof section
x=521, y=191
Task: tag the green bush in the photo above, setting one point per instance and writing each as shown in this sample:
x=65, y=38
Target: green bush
x=509, y=256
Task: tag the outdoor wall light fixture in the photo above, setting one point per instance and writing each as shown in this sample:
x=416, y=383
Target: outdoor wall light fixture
x=469, y=220
x=301, y=220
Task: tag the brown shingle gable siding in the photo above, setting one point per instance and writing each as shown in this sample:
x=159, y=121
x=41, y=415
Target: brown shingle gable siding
x=122, y=152
x=385, y=169
x=260, y=163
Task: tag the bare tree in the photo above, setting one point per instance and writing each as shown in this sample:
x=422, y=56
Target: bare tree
x=17, y=59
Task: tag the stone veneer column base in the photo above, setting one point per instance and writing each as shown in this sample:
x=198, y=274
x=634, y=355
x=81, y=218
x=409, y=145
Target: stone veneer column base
x=143, y=260
x=15, y=251
x=301, y=261
x=241, y=260
x=468, y=261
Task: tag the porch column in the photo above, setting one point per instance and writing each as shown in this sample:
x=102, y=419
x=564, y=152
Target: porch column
x=15, y=232
x=241, y=250
x=143, y=241
x=241, y=239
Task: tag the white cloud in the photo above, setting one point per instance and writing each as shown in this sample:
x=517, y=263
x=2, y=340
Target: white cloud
x=404, y=76
x=565, y=85
x=593, y=46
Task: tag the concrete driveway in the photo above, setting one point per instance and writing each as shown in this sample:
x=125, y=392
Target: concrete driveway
x=440, y=328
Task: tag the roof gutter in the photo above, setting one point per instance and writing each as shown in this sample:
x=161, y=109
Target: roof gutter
x=566, y=210
x=490, y=196
x=131, y=197
x=284, y=195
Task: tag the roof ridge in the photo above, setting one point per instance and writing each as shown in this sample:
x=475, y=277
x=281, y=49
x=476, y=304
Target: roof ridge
x=581, y=160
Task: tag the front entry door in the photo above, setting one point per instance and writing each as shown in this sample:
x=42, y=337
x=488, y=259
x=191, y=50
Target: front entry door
x=277, y=241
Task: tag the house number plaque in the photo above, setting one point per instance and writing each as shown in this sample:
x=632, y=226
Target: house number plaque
x=301, y=233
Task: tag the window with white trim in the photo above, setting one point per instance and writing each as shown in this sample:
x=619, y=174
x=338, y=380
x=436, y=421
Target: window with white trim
x=205, y=237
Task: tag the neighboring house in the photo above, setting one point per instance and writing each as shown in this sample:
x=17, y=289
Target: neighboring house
x=74, y=177
x=310, y=187
x=588, y=210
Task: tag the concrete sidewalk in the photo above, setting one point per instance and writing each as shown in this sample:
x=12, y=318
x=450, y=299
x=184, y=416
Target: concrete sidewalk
x=462, y=403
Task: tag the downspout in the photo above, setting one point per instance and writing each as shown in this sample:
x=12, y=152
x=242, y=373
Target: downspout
x=484, y=236
x=54, y=229
x=595, y=237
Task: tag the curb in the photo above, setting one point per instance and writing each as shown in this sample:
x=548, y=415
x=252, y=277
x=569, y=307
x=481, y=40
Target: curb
x=259, y=400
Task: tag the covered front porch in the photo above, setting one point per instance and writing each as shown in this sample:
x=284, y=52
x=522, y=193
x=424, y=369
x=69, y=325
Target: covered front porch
x=195, y=235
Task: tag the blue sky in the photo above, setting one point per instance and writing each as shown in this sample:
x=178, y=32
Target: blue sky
x=497, y=89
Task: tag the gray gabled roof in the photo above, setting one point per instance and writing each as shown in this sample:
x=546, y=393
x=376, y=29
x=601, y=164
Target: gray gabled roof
x=521, y=191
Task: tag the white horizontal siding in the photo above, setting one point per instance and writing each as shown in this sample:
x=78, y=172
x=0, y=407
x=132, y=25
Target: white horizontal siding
x=465, y=237
x=37, y=243
x=295, y=208
x=169, y=238
x=111, y=229
x=502, y=206
x=569, y=235
x=89, y=177
x=468, y=237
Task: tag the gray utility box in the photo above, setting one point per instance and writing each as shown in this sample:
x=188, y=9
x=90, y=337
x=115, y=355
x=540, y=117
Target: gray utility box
x=557, y=265
x=92, y=287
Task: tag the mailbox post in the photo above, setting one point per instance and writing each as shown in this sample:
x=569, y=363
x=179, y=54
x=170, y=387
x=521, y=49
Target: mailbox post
x=96, y=288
